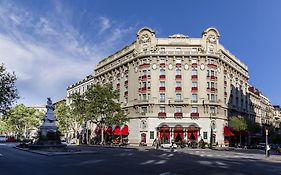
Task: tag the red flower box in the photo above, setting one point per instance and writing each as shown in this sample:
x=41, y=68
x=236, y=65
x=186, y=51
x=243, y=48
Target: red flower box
x=162, y=88
x=162, y=76
x=162, y=114
x=178, y=76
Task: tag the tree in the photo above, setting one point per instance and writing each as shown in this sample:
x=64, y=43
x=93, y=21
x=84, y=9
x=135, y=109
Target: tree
x=103, y=108
x=4, y=128
x=66, y=120
x=238, y=124
x=99, y=105
x=22, y=119
x=8, y=91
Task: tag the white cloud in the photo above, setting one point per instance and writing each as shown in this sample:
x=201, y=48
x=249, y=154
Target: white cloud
x=104, y=24
x=48, y=53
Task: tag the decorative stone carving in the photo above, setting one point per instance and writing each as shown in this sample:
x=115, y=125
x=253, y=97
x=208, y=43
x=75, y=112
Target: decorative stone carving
x=154, y=66
x=144, y=38
x=202, y=66
x=186, y=67
x=170, y=66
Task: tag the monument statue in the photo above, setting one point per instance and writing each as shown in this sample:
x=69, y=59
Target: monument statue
x=49, y=120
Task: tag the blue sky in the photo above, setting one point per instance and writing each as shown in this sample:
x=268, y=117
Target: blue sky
x=52, y=44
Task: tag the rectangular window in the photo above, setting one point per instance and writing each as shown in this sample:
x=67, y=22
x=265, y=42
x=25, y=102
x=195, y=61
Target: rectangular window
x=178, y=50
x=162, y=83
x=162, y=71
x=162, y=109
x=212, y=110
x=178, y=83
x=178, y=72
x=213, y=97
x=212, y=73
x=144, y=97
x=162, y=96
x=194, y=109
x=194, y=84
x=178, y=97
x=162, y=61
x=144, y=110
x=144, y=72
x=205, y=135
x=178, y=61
x=194, y=97
x=208, y=73
x=178, y=109
x=194, y=50
x=162, y=50
x=151, y=134
x=194, y=61
x=212, y=85
x=194, y=72
x=208, y=84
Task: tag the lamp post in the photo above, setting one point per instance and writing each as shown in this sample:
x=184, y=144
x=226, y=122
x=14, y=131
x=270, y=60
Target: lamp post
x=212, y=126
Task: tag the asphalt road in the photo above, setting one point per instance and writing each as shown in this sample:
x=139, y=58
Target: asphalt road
x=135, y=161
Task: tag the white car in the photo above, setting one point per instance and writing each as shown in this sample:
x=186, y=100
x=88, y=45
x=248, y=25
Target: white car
x=168, y=145
x=3, y=138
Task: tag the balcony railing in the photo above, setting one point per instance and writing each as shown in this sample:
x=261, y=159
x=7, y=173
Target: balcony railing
x=212, y=65
x=178, y=88
x=194, y=77
x=178, y=76
x=126, y=83
x=162, y=114
x=212, y=77
x=194, y=115
x=126, y=93
x=162, y=64
x=162, y=88
x=178, y=64
x=194, y=89
x=178, y=115
x=162, y=76
x=144, y=65
x=194, y=64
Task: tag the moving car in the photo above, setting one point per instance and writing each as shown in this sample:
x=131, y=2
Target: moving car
x=3, y=138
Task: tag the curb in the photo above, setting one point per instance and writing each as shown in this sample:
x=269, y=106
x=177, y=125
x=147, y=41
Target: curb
x=45, y=153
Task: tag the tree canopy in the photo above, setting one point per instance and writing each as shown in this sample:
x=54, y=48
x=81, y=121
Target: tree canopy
x=238, y=123
x=22, y=119
x=8, y=90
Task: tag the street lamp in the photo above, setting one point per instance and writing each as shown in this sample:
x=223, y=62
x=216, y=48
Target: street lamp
x=212, y=126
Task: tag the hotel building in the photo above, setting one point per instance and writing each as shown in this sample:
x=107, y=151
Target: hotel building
x=177, y=88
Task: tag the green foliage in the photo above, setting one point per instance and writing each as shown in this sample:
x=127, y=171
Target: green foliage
x=238, y=123
x=4, y=127
x=8, y=91
x=99, y=105
x=21, y=118
x=65, y=119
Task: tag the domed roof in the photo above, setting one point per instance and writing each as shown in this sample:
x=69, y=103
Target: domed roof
x=178, y=36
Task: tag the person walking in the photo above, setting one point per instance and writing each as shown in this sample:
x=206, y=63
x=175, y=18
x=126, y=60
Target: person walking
x=268, y=150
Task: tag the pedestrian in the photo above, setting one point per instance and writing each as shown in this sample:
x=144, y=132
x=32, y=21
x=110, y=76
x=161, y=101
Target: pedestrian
x=268, y=150
x=172, y=147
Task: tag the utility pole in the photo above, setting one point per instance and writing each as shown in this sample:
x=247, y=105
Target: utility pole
x=266, y=142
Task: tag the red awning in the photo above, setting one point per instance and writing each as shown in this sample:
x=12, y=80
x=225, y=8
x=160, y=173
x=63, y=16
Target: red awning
x=98, y=130
x=116, y=130
x=227, y=132
x=109, y=130
x=125, y=130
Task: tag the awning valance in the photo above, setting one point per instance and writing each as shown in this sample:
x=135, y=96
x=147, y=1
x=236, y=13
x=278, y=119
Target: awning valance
x=125, y=130
x=227, y=132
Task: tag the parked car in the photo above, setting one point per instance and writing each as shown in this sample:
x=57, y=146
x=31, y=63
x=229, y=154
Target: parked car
x=11, y=139
x=3, y=138
x=261, y=146
x=275, y=146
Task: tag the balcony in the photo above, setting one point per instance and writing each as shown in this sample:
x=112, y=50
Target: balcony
x=212, y=77
x=126, y=93
x=211, y=89
x=126, y=83
x=194, y=64
x=194, y=77
x=178, y=115
x=194, y=89
x=144, y=65
x=178, y=64
x=162, y=88
x=194, y=115
x=144, y=77
x=118, y=86
x=178, y=88
x=162, y=114
x=162, y=64
x=162, y=76
x=178, y=76
x=212, y=65
x=144, y=89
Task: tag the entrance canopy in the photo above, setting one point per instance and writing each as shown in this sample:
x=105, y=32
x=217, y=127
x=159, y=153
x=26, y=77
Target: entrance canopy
x=227, y=132
x=178, y=125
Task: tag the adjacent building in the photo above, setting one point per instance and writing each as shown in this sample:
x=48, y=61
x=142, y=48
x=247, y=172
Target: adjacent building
x=179, y=88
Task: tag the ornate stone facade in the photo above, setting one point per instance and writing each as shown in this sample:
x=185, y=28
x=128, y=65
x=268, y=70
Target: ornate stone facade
x=174, y=87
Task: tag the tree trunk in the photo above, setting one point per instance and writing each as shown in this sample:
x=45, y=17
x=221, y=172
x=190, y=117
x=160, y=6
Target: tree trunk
x=240, y=139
